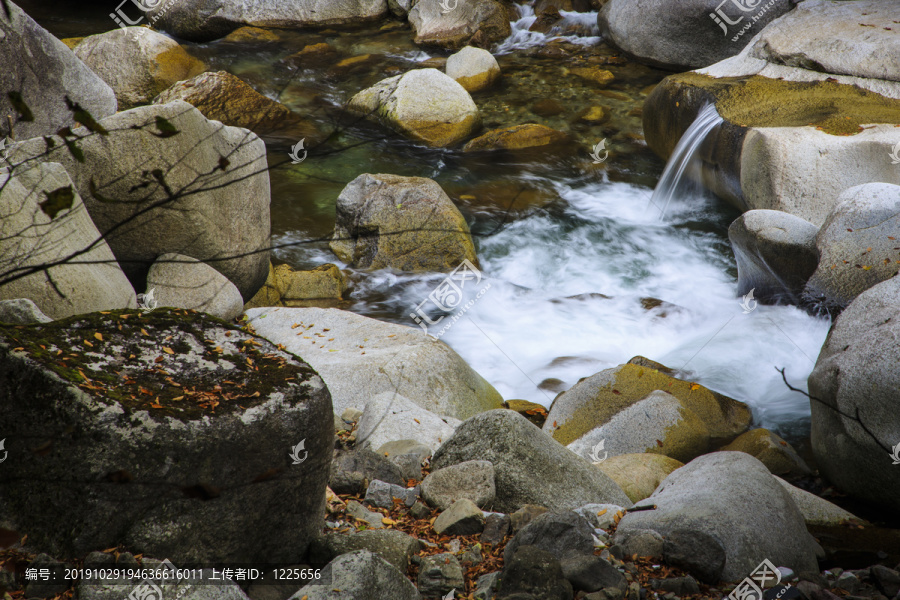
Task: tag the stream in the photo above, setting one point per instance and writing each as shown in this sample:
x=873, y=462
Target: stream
x=585, y=271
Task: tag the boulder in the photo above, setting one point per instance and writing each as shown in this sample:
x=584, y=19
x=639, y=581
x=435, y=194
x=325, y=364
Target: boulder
x=390, y=417
x=44, y=221
x=137, y=62
x=471, y=480
x=353, y=470
x=385, y=495
x=817, y=511
x=775, y=254
x=730, y=497
x=124, y=410
x=392, y=358
x=778, y=456
x=591, y=573
x=321, y=286
x=360, y=575
x=439, y=574
x=44, y=72
x=408, y=455
x=857, y=246
x=473, y=68
x=853, y=397
x=184, y=282
x=466, y=22
x=406, y=223
x=638, y=474
x=166, y=179
x=517, y=137
x=21, y=311
x=581, y=413
x=462, y=518
x=563, y=534
x=221, y=96
x=221, y=17
x=693, y=33
x=423, y=104
x=394, y=546
x=529, y=466
x=659, y=423
x=533, y=573
x=795, y=160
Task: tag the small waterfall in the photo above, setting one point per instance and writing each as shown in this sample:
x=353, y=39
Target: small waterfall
x=684, y=163
x=521, y=38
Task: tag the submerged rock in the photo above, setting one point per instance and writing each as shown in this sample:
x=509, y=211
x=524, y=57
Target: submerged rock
x=44, y=72
x=517, y=137
x=127, y=410
x=138, y=63
x=221, y=96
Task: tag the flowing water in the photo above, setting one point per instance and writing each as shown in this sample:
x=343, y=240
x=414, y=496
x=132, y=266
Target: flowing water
x=585, y=269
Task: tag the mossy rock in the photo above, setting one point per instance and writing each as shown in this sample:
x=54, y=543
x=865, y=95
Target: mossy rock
x=170, y=432
x=778, y=456
x=321, y=286
x=595, y=400
x=638, y=474
x=517, y=137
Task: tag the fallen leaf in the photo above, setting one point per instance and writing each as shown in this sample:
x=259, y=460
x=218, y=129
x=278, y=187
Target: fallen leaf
x=168, y=350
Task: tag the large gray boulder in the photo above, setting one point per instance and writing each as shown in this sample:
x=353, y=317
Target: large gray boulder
x=137, y=62
x=359, y=358
x=857, y=245
x=530, y=467
x=423, y=104
x=484, y=20
x=166, y=179
x=389, y=417
x=21, y=311
x=185, y=282
x=44, y=71
x=360, y=575
x=689, y=34
x=33, y=233
x=407, y=223
x=853, y=391
x=730, y=500
x=158, y=430
x=775, y=254
x=202, y=20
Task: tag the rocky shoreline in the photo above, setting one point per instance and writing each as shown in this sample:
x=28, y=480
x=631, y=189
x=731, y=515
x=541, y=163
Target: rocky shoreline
x=176, y=402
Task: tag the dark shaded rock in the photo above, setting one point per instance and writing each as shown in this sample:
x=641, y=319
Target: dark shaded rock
x=353, y=470
x=462, y=518
x=526, y=515
x=438, y=574
x=496, y=526
x=680, y=586
x=533, y=574
x=563, y=534
x=393, y=546
x=591, y=573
